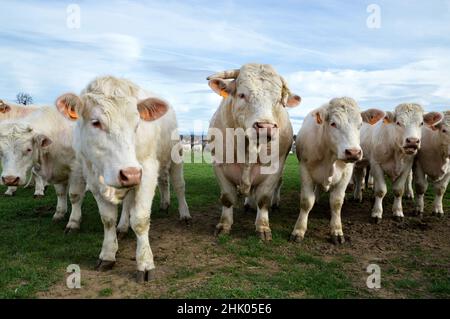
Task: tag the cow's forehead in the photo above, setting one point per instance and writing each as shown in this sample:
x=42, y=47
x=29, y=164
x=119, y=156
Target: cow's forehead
x=115, y=108
x=254, y=77
x=345, y=109
x=409, y=112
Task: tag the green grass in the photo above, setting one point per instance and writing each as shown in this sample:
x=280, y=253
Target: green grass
x=34, y=251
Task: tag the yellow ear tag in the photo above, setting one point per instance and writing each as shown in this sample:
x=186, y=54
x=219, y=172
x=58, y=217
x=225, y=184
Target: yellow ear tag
x=386, y=121
x=72, y=114
x=224, y=94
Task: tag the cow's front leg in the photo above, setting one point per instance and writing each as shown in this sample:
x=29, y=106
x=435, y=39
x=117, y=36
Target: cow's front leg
x=421, y=187
x=439, y=189
x=228, y=199
x=10, y=190
x=39, y=186
x=77, y=190
x=264, y=194
x=307, y=199
x=108, y=214
x=176, y=174
x=61, y=206
x=398, y=188
x=337, y=196
x=380, y=190
x=140, y=219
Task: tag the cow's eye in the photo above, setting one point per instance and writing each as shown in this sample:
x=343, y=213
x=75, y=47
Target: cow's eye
x=29, y=150
x=421, y=124
x=241, y=95
x=333, y=124
x=96, y=124
x=399, y=124
x=444, y=131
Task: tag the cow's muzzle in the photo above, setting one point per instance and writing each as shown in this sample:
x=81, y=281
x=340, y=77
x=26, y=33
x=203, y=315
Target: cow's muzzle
x=265, y=129
x=353, y=155
x=11, y=180
x=130, y=176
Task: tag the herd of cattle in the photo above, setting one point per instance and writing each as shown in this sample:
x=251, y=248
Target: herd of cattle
x=114, y=139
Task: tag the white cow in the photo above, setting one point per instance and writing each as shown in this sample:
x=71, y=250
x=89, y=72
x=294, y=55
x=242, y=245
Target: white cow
x=42, y=141
x=433, y=164
x=116, y=139
x=389, y=147
x=254, y=102
x=11, y=111
x=328, y=145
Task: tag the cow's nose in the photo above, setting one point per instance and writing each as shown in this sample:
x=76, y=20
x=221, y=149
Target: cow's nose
x=268, y=127
x=353, y=154
x=412, y=141
x=130, y=176
x=11, y=180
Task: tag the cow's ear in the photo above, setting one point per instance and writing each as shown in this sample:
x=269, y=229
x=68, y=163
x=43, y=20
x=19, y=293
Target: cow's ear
x=222, y=87
x=372, y=116
x=432, y=118
x=293, y=100
x=42, y=141
x=4, y=108
x=389, y=117
x=152, y=109
x=69, y=105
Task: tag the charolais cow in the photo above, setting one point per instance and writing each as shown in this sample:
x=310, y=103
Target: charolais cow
x=116, y=139
x=42, y=141
x=11, y=111
x=253, y=112
x=433, y=164
x=390, y=147
x=328, y=145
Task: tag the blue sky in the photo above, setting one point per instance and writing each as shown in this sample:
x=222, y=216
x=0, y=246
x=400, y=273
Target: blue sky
x=323, y=48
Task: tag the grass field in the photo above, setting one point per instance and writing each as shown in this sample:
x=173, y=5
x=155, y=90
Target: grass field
x=414, y=256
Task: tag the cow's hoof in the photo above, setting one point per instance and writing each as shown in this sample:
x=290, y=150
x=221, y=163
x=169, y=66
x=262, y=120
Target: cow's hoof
x=57, y=218
x=265, y=235
x=375, y=220
x=38, y=196
x=104, y=265
x=438, y=215
x=121, y=235
x=164, y=210
x=187, y=220
x=295, y=238
x=337, y=239
x=399, y=219
x=71, y=230
x=9, y=194
x=143, y=276
x=220, y=230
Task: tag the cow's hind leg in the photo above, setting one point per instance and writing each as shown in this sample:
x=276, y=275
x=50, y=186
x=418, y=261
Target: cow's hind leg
x=228, y=199
x=164, y=190
x=61, y=206
x=77, y=190
x=439, y=189
x=380, y=190
x=176, y=174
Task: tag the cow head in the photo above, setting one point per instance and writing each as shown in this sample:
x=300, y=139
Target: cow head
x=341, y=120
x=408, y=120
x=108, y=114
x=19, y=146
x=443, y=129
x=256, y=95
x=4, y=108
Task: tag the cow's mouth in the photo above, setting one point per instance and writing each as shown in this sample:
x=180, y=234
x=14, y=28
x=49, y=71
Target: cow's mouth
x=410, y=149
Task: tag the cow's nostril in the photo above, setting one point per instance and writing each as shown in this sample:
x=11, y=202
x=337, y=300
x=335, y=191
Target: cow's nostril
x=412, y=140
x=11, y=180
